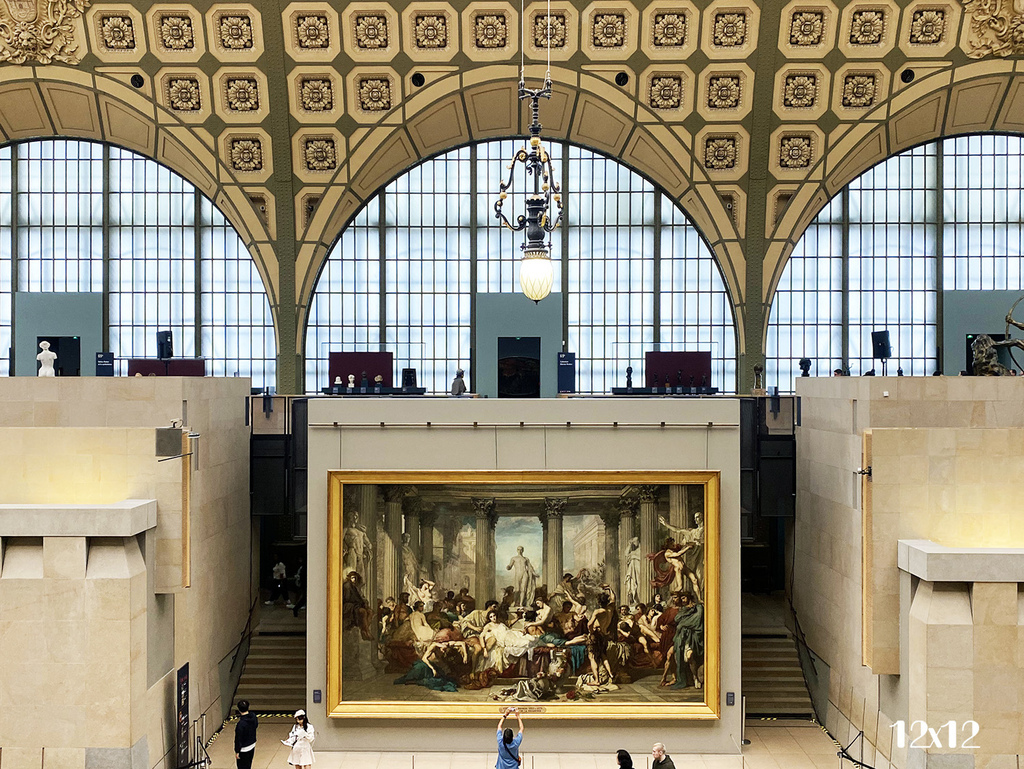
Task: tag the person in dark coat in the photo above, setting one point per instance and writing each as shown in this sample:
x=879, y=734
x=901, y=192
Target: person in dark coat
x=245, y=736
x=661, y=759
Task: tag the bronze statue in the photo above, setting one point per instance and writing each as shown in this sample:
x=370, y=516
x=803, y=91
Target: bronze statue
x=984, y=349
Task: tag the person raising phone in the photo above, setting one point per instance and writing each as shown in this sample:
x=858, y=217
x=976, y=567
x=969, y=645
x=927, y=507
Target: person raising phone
x=508, y=746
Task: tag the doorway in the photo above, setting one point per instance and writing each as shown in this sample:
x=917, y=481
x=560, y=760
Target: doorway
x=518, y=366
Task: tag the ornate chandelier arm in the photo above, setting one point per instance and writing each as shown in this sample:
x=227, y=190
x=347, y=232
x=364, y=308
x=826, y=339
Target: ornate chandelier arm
x=520, y=157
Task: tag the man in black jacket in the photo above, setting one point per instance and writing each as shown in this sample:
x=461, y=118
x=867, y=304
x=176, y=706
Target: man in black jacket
x=661, y=759
x=245, y=736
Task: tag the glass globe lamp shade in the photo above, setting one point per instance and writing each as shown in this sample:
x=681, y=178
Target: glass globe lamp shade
x=536, y=275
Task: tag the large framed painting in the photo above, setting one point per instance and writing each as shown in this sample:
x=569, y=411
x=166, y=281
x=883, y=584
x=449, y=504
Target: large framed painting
x=568, y=594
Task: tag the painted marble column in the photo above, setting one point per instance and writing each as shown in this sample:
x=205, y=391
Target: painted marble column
x=369, y=515
x=677, y=501
x=390, y=576
x=648, y=495
x=451, y=571
x=612, y=553
x=485, y=520
x=554, y=507
x=627, y=530
x=411, y=507
x=428, y=521
x=546, y=562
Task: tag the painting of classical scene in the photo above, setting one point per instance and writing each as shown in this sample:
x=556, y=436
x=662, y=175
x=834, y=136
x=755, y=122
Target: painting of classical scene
x=565, y=595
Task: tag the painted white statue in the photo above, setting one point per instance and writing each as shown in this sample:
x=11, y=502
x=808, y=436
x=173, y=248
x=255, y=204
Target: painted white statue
x=410, y=562
x=46, y=359
x=524, y=577
x=632, y=581
x=356, y=549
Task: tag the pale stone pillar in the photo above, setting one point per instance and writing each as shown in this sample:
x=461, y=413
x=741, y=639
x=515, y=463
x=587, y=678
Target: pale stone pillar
x=485, y=521
x=648, y=538
x=677, y=506
x=554, y=507
x=546, y=562
x=627, y=530
x=612, y=553
x=390, y=577
x=450, y=568
x=411, y=507
x=428, y=519
x=369, y=516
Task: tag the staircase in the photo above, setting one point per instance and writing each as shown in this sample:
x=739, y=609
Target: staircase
x=274, y=678
x=773, y=681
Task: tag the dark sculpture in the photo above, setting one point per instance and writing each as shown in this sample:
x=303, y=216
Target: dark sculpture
x=985, y=350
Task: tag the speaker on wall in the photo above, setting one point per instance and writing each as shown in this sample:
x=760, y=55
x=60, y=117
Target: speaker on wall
x=164, y=345
x=880, y=348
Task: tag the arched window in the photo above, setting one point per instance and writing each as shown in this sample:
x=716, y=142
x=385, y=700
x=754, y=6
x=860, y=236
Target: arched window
x=633, y=272
x=78, y=216
x=945, y=216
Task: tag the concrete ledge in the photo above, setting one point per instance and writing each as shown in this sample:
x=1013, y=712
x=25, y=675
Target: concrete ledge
x=938, y=563
x=120, y=519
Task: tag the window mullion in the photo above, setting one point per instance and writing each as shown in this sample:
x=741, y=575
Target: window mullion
x=845, y=293
x=940, y=248
x=107, y=194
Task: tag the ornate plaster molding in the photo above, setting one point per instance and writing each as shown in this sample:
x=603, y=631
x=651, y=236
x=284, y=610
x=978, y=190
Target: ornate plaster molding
x=39, y=30
x=994, y=28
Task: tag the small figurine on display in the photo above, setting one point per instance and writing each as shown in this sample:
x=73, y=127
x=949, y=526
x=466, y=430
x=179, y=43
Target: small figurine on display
x=364, y=382
x=459, y=383
x=629, y=376
x=351, y=381
x=46, y=359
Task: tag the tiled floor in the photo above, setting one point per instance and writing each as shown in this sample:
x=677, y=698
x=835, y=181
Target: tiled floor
x=773, y=745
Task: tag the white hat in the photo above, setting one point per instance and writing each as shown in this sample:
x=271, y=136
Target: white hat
x=299, y=713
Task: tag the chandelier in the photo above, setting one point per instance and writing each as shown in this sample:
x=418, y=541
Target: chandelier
x=535, y=270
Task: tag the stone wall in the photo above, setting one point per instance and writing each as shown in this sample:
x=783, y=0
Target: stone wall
x=91, y=441
x=945, y=454
x=492, y=434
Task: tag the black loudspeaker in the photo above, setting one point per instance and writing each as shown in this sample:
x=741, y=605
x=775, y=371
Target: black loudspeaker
x=164, y=345
x=880, y=349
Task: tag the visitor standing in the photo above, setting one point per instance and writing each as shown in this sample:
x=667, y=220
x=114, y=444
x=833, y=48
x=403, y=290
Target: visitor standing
x=508, y=746
x=245, y=736
x=278, y=575
x=624, y=759
x=300, y=740
x=661, y=759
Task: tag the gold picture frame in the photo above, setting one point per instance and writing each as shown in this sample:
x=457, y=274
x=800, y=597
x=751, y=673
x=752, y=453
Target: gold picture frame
x=698, y=703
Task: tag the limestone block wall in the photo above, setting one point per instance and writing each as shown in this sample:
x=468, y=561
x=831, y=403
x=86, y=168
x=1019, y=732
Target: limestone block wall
x=91, y=440
x=492, y=434
x=945, y=455
x=72, y=641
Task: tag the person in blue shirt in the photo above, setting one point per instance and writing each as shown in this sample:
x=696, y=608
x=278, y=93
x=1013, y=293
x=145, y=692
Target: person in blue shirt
x=508, y=746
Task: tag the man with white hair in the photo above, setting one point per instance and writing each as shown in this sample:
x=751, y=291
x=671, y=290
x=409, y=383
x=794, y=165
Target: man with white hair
x=661, y=759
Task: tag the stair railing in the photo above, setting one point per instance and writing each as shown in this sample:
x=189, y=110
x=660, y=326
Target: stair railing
x=798, y=633
x=247, y=633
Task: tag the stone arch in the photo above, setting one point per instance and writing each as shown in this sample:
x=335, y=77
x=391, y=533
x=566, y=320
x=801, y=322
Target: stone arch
x=463, y=108
x=59, y=102
x=981, y=97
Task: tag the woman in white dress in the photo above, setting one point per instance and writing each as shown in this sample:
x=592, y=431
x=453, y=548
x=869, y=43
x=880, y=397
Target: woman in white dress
x=502, y=644
x=300, y=740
